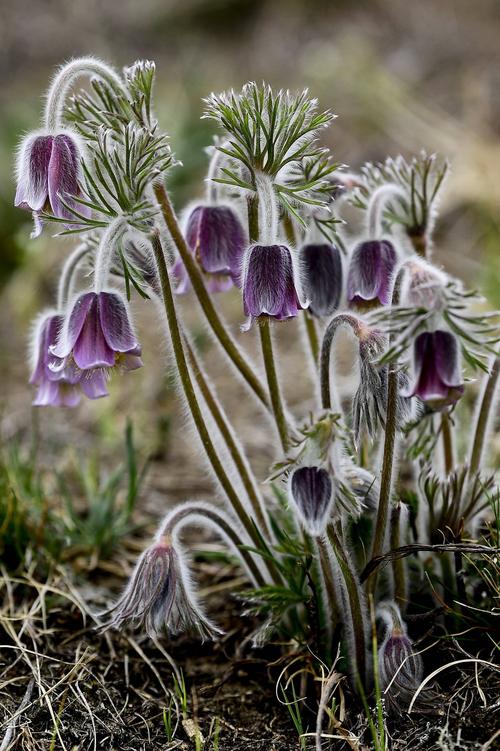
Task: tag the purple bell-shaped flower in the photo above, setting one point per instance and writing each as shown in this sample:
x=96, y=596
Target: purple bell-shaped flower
x=60, y=386
x=216, y=238
x=268, y=283
x=321, y=270
x=48, y=174
x=371, y=269
x=311, y=490
x=97, y=333
x=437, y=376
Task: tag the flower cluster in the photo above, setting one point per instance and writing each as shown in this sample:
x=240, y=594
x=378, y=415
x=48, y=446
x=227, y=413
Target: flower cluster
x=385, y=337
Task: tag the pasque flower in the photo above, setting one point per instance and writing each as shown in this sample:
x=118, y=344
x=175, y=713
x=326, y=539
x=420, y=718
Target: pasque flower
x=370, y=273
x=59, y=385
x=400, y=668
x=97, y=333
x=48, y=174
x=311, y=490
x=216, y=237
x=321, y=270
x=158, y=596
x=437, y=376
x=268, y=282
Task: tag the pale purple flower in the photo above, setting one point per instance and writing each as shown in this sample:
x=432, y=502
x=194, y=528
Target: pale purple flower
x=437, y=375
x=217, y=240
x=268, y=283
x=321, y=269
x=158, y=596
x=60, y=386
x=48, y=173
x=370, y=274
x=97, y=333
x=311, y=490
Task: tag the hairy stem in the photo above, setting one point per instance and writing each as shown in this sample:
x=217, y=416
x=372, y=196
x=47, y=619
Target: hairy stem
x=204, y=298
x=105, y=252
x=398, y=564
x=187, y=513
x=483, y=418
x=65, y=286
x=273, y=383
x=358, y=627
x=228, y=437
x=448, y=452
x=326, y=347
x=190, y=394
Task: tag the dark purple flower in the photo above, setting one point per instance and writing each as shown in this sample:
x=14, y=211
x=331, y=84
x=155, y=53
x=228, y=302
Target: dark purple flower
x=400, y=669
x=437, y=376
x=370, y=273
x=49, y=173
x=217, y=239
x=321, y=268
x=311, y=490
x=60, y=386
x=97, y=333
x=268, y=282
x=158, y=597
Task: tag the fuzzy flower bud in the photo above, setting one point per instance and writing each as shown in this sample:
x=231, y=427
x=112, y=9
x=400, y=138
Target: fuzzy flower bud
x=159, y=597
x=370, y=273
x=321, y=269
x=268, y=282
x=423, y=286
x=311, y=490
x=97, y=333
x=437, y=377
x=217, y=240
x=64, y=386
x=400, y=668
x=48, y=173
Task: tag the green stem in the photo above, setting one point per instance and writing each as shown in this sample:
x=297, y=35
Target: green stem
x=447, y=435
x=355, y=602
x=483, y=418
x=181, y=515
x=273, y=383
x=312, y=335
x=227, y=434
x=398, y=564
x=204, y=298
x=330, y=607
x=190, y=394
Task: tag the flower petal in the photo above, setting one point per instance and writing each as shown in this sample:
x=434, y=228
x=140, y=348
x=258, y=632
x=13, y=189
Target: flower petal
x=115, y=322
x=321, y=267
x=32, y=186
x=91, y=349
x=63, y=177
x=73, y=325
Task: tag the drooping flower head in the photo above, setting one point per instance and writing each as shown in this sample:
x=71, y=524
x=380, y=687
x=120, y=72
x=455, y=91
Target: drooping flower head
x=49, y=176
x=437, y=377
x=423, y=285
x=321, y=270
x=97, y=333
x=269, y=286
x=370, y=274
x=158, y=596
x=216, y=238
x=60, y=386
x=311, y=490
x=400, y=667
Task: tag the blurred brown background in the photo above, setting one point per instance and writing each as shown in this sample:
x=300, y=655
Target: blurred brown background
x=401, y=76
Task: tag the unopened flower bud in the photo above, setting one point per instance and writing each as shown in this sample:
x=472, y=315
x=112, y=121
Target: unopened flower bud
x=268, y=282
x=437, y=376
x=400, y=668
x=217, y=240
x=423, y=286
x=371, y=269
x=321, y=269
x=48, y=174
x=311, y=490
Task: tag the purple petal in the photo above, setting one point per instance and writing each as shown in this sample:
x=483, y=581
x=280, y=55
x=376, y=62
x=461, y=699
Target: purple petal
x=216, y=236
x=74, y=326
x=218, y=283
x=268, y=287
x=447, y=358
x=312, y=490
x=63, y=177
x=115, y=323
x=91, y=349
x=438, y=379
x=32, y=187
x=370, y=272
x=93, y=384
x=46, y=336
x=180, y=274
x=56, y=394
